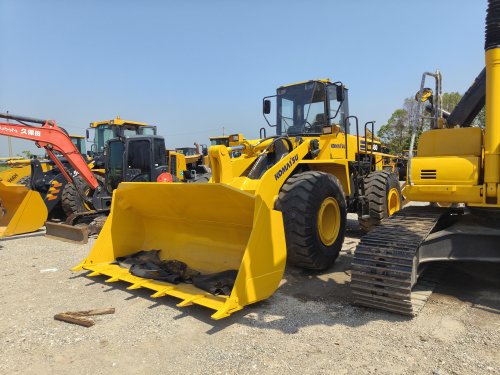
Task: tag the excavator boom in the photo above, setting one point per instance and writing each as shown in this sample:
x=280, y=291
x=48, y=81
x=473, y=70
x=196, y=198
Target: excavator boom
x=25, y=210
x=52, y=138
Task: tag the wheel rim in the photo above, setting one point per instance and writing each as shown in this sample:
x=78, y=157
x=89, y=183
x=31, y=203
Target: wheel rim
x=329, y=221
x=393, y=201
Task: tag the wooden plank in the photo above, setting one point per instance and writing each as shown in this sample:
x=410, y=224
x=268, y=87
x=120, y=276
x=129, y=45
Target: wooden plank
x=69, y=318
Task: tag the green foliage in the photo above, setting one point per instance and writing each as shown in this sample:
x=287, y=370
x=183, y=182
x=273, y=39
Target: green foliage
x=396, y=133
x=480, y=119
x=450, y=100
x=27, y=154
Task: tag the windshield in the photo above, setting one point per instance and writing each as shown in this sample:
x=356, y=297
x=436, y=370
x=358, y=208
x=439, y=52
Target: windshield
x=114, y=172
x=104, y=133
x=80, y=145
x=219, y=141
x=188, y=151
x=302, y=108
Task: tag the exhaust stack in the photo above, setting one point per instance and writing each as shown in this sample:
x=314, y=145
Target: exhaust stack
x=492, y=130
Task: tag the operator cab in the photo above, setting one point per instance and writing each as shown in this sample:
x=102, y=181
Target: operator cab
x=104, y=131
x=305, y=108
x=187, y=151
x=135, y=159
x=79, y=142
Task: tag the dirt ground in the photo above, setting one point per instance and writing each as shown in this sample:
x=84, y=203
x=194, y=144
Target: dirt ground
x=308, y=327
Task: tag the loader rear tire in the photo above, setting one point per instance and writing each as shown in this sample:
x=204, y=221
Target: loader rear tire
x=384, y=196
x=203, y=179
x=71, y=201
x=314, y=216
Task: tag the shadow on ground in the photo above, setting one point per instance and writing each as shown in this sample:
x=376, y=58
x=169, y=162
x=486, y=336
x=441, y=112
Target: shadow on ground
x=28, y=235
x=307, y=299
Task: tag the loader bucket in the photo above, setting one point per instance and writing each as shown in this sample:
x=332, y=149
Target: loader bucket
x=210, y=227
x=23, y=210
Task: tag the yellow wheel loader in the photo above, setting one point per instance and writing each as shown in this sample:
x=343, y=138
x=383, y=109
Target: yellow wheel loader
x=189, y=164
x=225, y=244
x=457, y=165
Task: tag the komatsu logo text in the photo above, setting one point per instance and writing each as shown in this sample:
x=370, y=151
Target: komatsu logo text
x=338, y=145
x=286, y=167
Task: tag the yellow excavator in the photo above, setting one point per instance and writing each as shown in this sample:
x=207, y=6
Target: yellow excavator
x=455, y=163
x=224, y=244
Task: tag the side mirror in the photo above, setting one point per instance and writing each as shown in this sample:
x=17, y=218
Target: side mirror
x=266, y=107
x=87, y=134
x=340, y=93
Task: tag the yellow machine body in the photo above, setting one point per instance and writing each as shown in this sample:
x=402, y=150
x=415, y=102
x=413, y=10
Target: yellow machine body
x=176, y=164
x=462, y=165
x=19, y=168
x=448, y=167
x=23, y=210
x=15, y=173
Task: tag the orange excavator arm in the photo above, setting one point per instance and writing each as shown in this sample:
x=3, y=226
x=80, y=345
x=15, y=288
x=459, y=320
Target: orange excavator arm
x=52, y=138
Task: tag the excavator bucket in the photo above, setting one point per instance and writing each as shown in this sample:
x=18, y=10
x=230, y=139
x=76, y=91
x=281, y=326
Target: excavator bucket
x=22, y=210
x=231, y=242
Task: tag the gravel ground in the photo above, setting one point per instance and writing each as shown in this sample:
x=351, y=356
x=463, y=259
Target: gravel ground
x=308, y=326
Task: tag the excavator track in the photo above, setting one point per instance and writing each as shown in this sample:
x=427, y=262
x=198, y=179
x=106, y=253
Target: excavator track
x=385, y=264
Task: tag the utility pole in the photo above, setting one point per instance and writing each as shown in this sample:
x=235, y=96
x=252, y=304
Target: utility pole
x=223, y=131
x=9, y=142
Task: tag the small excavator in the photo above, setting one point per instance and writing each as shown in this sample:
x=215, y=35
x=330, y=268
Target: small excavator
x=24, y=209
x=457, y=165
x=134, y=158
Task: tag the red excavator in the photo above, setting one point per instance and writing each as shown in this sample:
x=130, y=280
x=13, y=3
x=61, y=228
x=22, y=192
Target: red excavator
x=135, y=158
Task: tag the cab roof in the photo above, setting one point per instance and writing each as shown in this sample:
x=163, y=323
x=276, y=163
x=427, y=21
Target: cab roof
x=116, y=121
x=322, y=80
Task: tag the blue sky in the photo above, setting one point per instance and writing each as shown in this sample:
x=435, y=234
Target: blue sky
x=193, y=67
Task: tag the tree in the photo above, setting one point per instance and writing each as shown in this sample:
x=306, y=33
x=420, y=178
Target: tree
x=480, y=119
x=395, y=133
x=27, y=154
x=449, y=100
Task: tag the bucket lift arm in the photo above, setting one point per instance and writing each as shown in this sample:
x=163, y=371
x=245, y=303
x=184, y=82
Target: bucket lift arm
x=52, y=138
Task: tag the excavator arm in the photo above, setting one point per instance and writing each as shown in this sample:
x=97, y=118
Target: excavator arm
x=52, y=138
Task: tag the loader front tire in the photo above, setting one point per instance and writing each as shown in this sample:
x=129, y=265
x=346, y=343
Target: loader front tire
x=314, y=216
x=71, y=201
x=384, y=196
